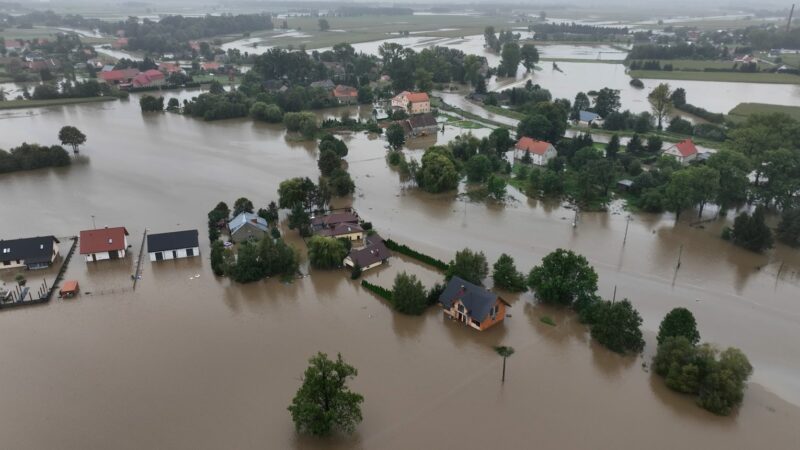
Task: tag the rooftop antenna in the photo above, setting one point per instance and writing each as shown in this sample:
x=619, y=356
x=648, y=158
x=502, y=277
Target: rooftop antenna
x=789, y=22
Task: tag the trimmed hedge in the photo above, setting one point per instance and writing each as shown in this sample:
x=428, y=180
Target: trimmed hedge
x=377, y=290
x=405, y=250
x=702, y=113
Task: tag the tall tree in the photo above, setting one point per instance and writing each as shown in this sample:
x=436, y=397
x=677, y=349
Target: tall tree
x=529, y=55
x=408, y=294
x=660, y=103
x=324, y=403
x=563, y=278
x=469, y=265
x=510, y=59
x=616, y=325
x=396, y=136
x=326, y=252
x=606, y=101
x=506, y=276
x=324, y=25
x=70, y=135
x=678, y=322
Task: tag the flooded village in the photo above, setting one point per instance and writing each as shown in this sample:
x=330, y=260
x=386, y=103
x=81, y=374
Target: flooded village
x=141, y=345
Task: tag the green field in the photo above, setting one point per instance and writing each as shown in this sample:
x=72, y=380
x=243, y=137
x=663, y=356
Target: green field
x=736, y=77
x=18, y=104
x=696, y=64
x=743, y=110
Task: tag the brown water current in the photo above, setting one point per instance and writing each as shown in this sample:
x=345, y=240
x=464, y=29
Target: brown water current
x=187, y=362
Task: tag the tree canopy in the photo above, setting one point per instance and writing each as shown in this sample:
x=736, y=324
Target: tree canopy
x=563, y=278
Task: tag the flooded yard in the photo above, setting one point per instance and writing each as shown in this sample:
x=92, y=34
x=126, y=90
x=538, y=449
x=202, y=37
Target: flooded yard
x=195, y=362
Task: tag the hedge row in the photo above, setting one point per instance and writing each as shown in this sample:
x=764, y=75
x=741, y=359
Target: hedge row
x=702, y=113
x=377, y=290
x=400, y=248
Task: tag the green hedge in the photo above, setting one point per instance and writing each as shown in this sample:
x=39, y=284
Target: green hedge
x=400, y=248
x=377, y=290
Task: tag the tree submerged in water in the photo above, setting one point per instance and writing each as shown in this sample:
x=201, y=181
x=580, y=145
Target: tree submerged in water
x=324, y=403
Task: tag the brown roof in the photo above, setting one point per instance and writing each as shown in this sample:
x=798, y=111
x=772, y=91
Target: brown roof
x=375, y=251
x=533, y=146
x=345, y=91
x=422, y=121
x=335, y=219
x=341, y=230
x=102, y=240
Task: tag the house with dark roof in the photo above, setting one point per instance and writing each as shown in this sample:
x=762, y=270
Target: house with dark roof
x=105, y=243
x=422, y=124
x=327, y=85
x=31, y=253
x=541, y=151
x=684, y=151
x=331, y=220
x=247, y=226
x=472, y=305
x=173, y=245
x=373, y=254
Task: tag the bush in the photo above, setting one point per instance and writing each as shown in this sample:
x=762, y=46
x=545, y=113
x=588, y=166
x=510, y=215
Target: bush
x=408, y=294
x=616, y=325
x=266, y=112
x=377, y=290
x=33, y=156
x=470, y=266
x=304, y=123
x=405, y=250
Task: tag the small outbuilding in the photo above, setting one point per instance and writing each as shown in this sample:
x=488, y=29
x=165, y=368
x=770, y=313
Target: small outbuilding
x=624, y=185
x=174, y=245
x=69, y=289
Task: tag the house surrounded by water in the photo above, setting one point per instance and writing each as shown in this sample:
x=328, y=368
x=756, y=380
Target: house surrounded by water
x=105, y=243
x=472, y=305
x=247, y=226
x=32, y=253
x=173, y=245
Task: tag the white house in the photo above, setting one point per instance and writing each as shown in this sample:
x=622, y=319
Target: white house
x=105, y=243
x=541, y=151
x=174, y=245
x=412, y=102
x=684, y=151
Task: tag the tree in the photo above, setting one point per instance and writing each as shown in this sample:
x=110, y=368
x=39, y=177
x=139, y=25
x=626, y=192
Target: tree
x=241, y=205
x=510, y=58
x=296, y=191
x=148, y=103
x=173, y=105
x=247, y=268
x=616, y=325
x=324, y=403
x=340, y=183
x=438, y=172
x=408, y=294
x=217, y=258
x=581, y=103
x=679, y=193
x=660, y=99
x=496, y=187
x=328, y=162
x=733, y=168
x=751, y=232
x=330, y=141
x=70, y=135
x=606, y=101
x=468, y=265
x=677, y=361
x=478, y=168
x=529, y=55
x=723, y=388
x=3, y=94
x=678, y=97
x=266, y=112
x=506, y=276
x=324, y=25
x=326, y=252
x=505, y=352
x=303, y=122
x=612, y=148
x=654, y=144
x=788, y=230
x=678, y=322
x=536, y=126
x=563, y=278
x=396, y=136
x=300, y=220
x=423, y=79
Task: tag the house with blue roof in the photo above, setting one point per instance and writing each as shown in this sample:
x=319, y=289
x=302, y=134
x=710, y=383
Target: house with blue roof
x=588, y=118
x=472, y=305
x=247, y=226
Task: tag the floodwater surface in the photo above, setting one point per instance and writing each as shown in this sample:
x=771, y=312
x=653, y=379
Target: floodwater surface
x=191, y=361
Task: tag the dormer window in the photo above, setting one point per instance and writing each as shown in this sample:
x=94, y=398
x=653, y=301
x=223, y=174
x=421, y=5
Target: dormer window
x=110, y=240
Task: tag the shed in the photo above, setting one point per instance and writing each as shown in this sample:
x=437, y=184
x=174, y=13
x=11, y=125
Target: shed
x=69, y=289
x=624, y=185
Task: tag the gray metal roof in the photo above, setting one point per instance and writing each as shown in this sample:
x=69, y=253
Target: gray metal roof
x=245, y=218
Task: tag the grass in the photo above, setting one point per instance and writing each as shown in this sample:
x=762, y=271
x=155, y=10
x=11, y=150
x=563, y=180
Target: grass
x=744, y=110
x=547, y=320
x=733, y=77
x=695, y=64
x=461, y=123
x=17, y=104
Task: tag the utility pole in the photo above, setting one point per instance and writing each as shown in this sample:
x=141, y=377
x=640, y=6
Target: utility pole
x=614, y=298
x=94, y=227
x=627, y=223
x=680, y=254
x=789, y=22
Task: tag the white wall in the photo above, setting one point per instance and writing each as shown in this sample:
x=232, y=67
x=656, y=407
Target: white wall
x=179, y=254
x=103, y=256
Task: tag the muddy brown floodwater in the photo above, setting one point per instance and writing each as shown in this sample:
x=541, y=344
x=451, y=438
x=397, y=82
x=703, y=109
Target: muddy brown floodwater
x=187, y=362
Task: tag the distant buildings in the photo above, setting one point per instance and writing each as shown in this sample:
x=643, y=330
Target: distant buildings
x=247, y=226
x=149, y=78
x=412, y=102
x=472, y=305
x=345, y=95
x=31, y=253
x=120, y=77
x=103, y=244
x=541, y=151
x=588, y=118
x=684, y=151
x=174, y=245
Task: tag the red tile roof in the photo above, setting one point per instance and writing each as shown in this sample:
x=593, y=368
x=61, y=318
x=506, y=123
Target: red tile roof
x=102, y=240
x=417, y=97
x=345, y=91
x=118, y=75
x=686, y=148
x=210, y=66
x=531, y=145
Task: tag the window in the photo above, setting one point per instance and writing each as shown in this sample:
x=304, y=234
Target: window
x=189, y=252
x=6, y=263
x=6, y=250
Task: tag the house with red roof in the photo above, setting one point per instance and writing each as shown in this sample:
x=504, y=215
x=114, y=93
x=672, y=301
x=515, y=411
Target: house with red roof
x=684, y=151
x=540, y=151
x=118, y=77
x=210, y=66
x=149, y=78
x=105, y=243
x=345, y=95
x=412, y=102
x=169, y=67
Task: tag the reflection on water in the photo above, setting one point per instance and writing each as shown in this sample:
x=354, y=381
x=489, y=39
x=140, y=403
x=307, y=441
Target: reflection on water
x=188, y=362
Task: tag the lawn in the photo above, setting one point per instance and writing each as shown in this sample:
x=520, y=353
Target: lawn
x=743, y=110
x=734, y=77
x=696, y=64
x=17, y=104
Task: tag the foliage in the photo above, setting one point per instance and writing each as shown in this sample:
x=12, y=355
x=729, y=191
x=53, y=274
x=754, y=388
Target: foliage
x=510, y=59
x=408, y=294
x=299, y=191
x=148, y=103
x=660, y=99
x=326, y=252
x=33, y=156
x=303, y=122
x=606, y=101
x=563, y=278
x=616, y=325
x=69, y=135
x=328, y=162
x=241, y=205
x=266, y=112
x=395, y=136
x=470, y=266
x=217, y=261
x=300, y=220
x=506, y=276
x=220, y=214
x=751, y=232
x=788, y=230
x=405, y=250
x=438, y=172
x=330, y=142
x=377, y=290
x=340, y=183
x=324, y=403
x=678, y=322
x=547, y=320
x=496, y=186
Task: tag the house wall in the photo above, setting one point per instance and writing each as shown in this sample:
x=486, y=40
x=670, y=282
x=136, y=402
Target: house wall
x=14, y=264
x=501, y=315
x=420, y=107
x=104, y=255
x=351, y=236
x=400, y=103
x=247, y=232
x=181, y=253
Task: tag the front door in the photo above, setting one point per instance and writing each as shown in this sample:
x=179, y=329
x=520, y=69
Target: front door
x=94, y=257
x=114, y=254
x=174, y=254
x=159, y=256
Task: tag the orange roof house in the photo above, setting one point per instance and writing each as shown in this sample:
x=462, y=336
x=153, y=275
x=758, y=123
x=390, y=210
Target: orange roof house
x=105, y=243
x=540, y=151
x=684, y=151
x=345, y=94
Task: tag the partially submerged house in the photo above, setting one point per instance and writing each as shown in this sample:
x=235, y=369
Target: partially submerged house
x=147, y=79
x=472, y=305
x=32, y=253
x=345, y=95
x=541, y=151
x=105, y=243
x=349, y=231
x=422, y=124
x=121, y=77
x=684, y=151
x=412, y=102
x=589, y=118
x=173, y=245
x=331, y=220
x=373, y=254
x=247, y=226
